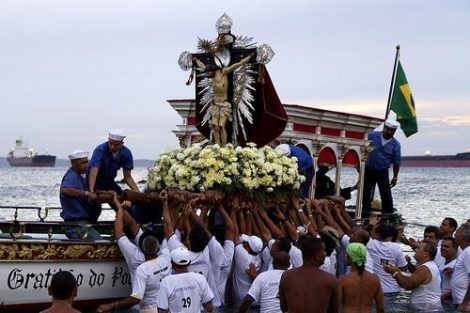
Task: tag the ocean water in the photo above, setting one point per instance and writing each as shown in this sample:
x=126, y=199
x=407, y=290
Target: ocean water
x=424, y=196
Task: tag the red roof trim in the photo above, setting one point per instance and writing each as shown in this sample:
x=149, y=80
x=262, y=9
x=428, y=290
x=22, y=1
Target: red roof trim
x=330, y=131
x=354, y=135
x=304, y=128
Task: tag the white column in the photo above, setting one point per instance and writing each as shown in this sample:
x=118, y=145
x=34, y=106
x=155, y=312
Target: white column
x=360, y=190
x=314, y=184
x=339, y=166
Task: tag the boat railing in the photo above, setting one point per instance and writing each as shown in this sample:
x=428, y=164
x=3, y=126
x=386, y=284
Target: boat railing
x=17, y=228
x=42, y=229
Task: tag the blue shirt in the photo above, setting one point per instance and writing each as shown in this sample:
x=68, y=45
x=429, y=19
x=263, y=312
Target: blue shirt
x=74, y=207
x=304, y=160
x=108, y=164
x=383, y=156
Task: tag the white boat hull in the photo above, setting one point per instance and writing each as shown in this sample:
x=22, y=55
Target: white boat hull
x=26, y=270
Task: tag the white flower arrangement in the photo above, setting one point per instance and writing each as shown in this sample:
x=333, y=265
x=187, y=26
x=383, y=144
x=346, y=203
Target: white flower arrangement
x=247, y=169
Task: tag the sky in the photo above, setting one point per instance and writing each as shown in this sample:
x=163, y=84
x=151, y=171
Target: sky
x=71, y=70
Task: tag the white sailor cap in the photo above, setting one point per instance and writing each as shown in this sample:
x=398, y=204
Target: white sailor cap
x=391, y=123
x=255, y=243
x=181, y=256
x=78, y=154
x=284, y=148
x=116, y=134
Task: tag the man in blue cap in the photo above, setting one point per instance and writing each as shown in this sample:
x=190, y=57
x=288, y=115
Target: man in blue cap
x=387, y=152
x=106, y=160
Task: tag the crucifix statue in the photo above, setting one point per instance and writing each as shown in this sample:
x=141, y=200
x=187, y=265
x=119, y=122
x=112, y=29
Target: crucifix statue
x=230, y=95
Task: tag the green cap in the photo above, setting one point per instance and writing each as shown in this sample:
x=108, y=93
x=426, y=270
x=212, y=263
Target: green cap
x=357, y=252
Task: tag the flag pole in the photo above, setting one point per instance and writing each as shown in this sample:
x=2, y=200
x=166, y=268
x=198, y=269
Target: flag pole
x=392, y=83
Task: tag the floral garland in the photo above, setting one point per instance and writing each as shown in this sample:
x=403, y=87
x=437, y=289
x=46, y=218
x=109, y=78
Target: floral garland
x=250, y=170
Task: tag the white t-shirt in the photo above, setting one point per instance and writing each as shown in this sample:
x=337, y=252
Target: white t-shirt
x=229, y=248
x=329, y=265
x=207, y=262
x=369, y=266
x=266, y=258
x=295, y=257
x=461, y=276
x=265, y=291
x=184, y=292
x=131, y=253
x=386, y=252
x=439, y=259
x=241, y=280
x=445, y=286
x=148, y=277
x=294, y=253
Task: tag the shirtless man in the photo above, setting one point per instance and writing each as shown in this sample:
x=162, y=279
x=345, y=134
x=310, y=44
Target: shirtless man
x=221, y=108
x=359, y=289
x=307, y=288
x=63, y=290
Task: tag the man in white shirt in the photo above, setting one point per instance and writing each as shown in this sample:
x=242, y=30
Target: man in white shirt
x=183, y=291
x=207, y=255
x=130, y=249
x=265, y=287
x=228, y=245
x=425, y=282
x=460, y=281
x=382, y=251
x=449, y=254
x=246, y=255
x=148, y=275
x=446, y=229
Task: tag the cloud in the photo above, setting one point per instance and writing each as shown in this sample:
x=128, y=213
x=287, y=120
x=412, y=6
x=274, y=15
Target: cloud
x=453, y=120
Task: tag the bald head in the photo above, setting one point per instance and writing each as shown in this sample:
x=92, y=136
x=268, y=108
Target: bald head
x=281, y=260
x=360, y=235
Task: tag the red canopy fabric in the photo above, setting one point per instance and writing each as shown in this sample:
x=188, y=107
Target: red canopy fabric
x=327, y=157
x=351, y=158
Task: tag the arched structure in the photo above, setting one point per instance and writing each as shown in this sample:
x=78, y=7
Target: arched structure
x=342, y=133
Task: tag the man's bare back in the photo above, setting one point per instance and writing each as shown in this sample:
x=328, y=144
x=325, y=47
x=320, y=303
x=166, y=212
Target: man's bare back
x=308, y=289
x=357, y=292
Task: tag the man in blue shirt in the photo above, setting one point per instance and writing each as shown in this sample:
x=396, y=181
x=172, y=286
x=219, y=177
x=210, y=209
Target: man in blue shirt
x=305, y=165
x=387, y=152
x=106, y=160
x=75, y=200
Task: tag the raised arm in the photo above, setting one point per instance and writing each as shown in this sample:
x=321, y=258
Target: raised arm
x=290, y=229
x=119, y=222
x=167, y=224
x=264, y=232
x=241, y=222
x=274, y=231
x=230, y=227
x=234, y=66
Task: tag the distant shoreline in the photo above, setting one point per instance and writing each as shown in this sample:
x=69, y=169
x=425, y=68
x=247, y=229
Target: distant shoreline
x=66, y=163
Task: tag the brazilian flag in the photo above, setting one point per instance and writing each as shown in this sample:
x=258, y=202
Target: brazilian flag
x=403, y=104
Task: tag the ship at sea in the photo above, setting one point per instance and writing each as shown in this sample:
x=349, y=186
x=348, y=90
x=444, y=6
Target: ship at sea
x=23, y=156
x=457, y=160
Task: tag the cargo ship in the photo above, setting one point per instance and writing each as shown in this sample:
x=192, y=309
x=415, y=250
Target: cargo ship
x=457, y=160
x=23, y=156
